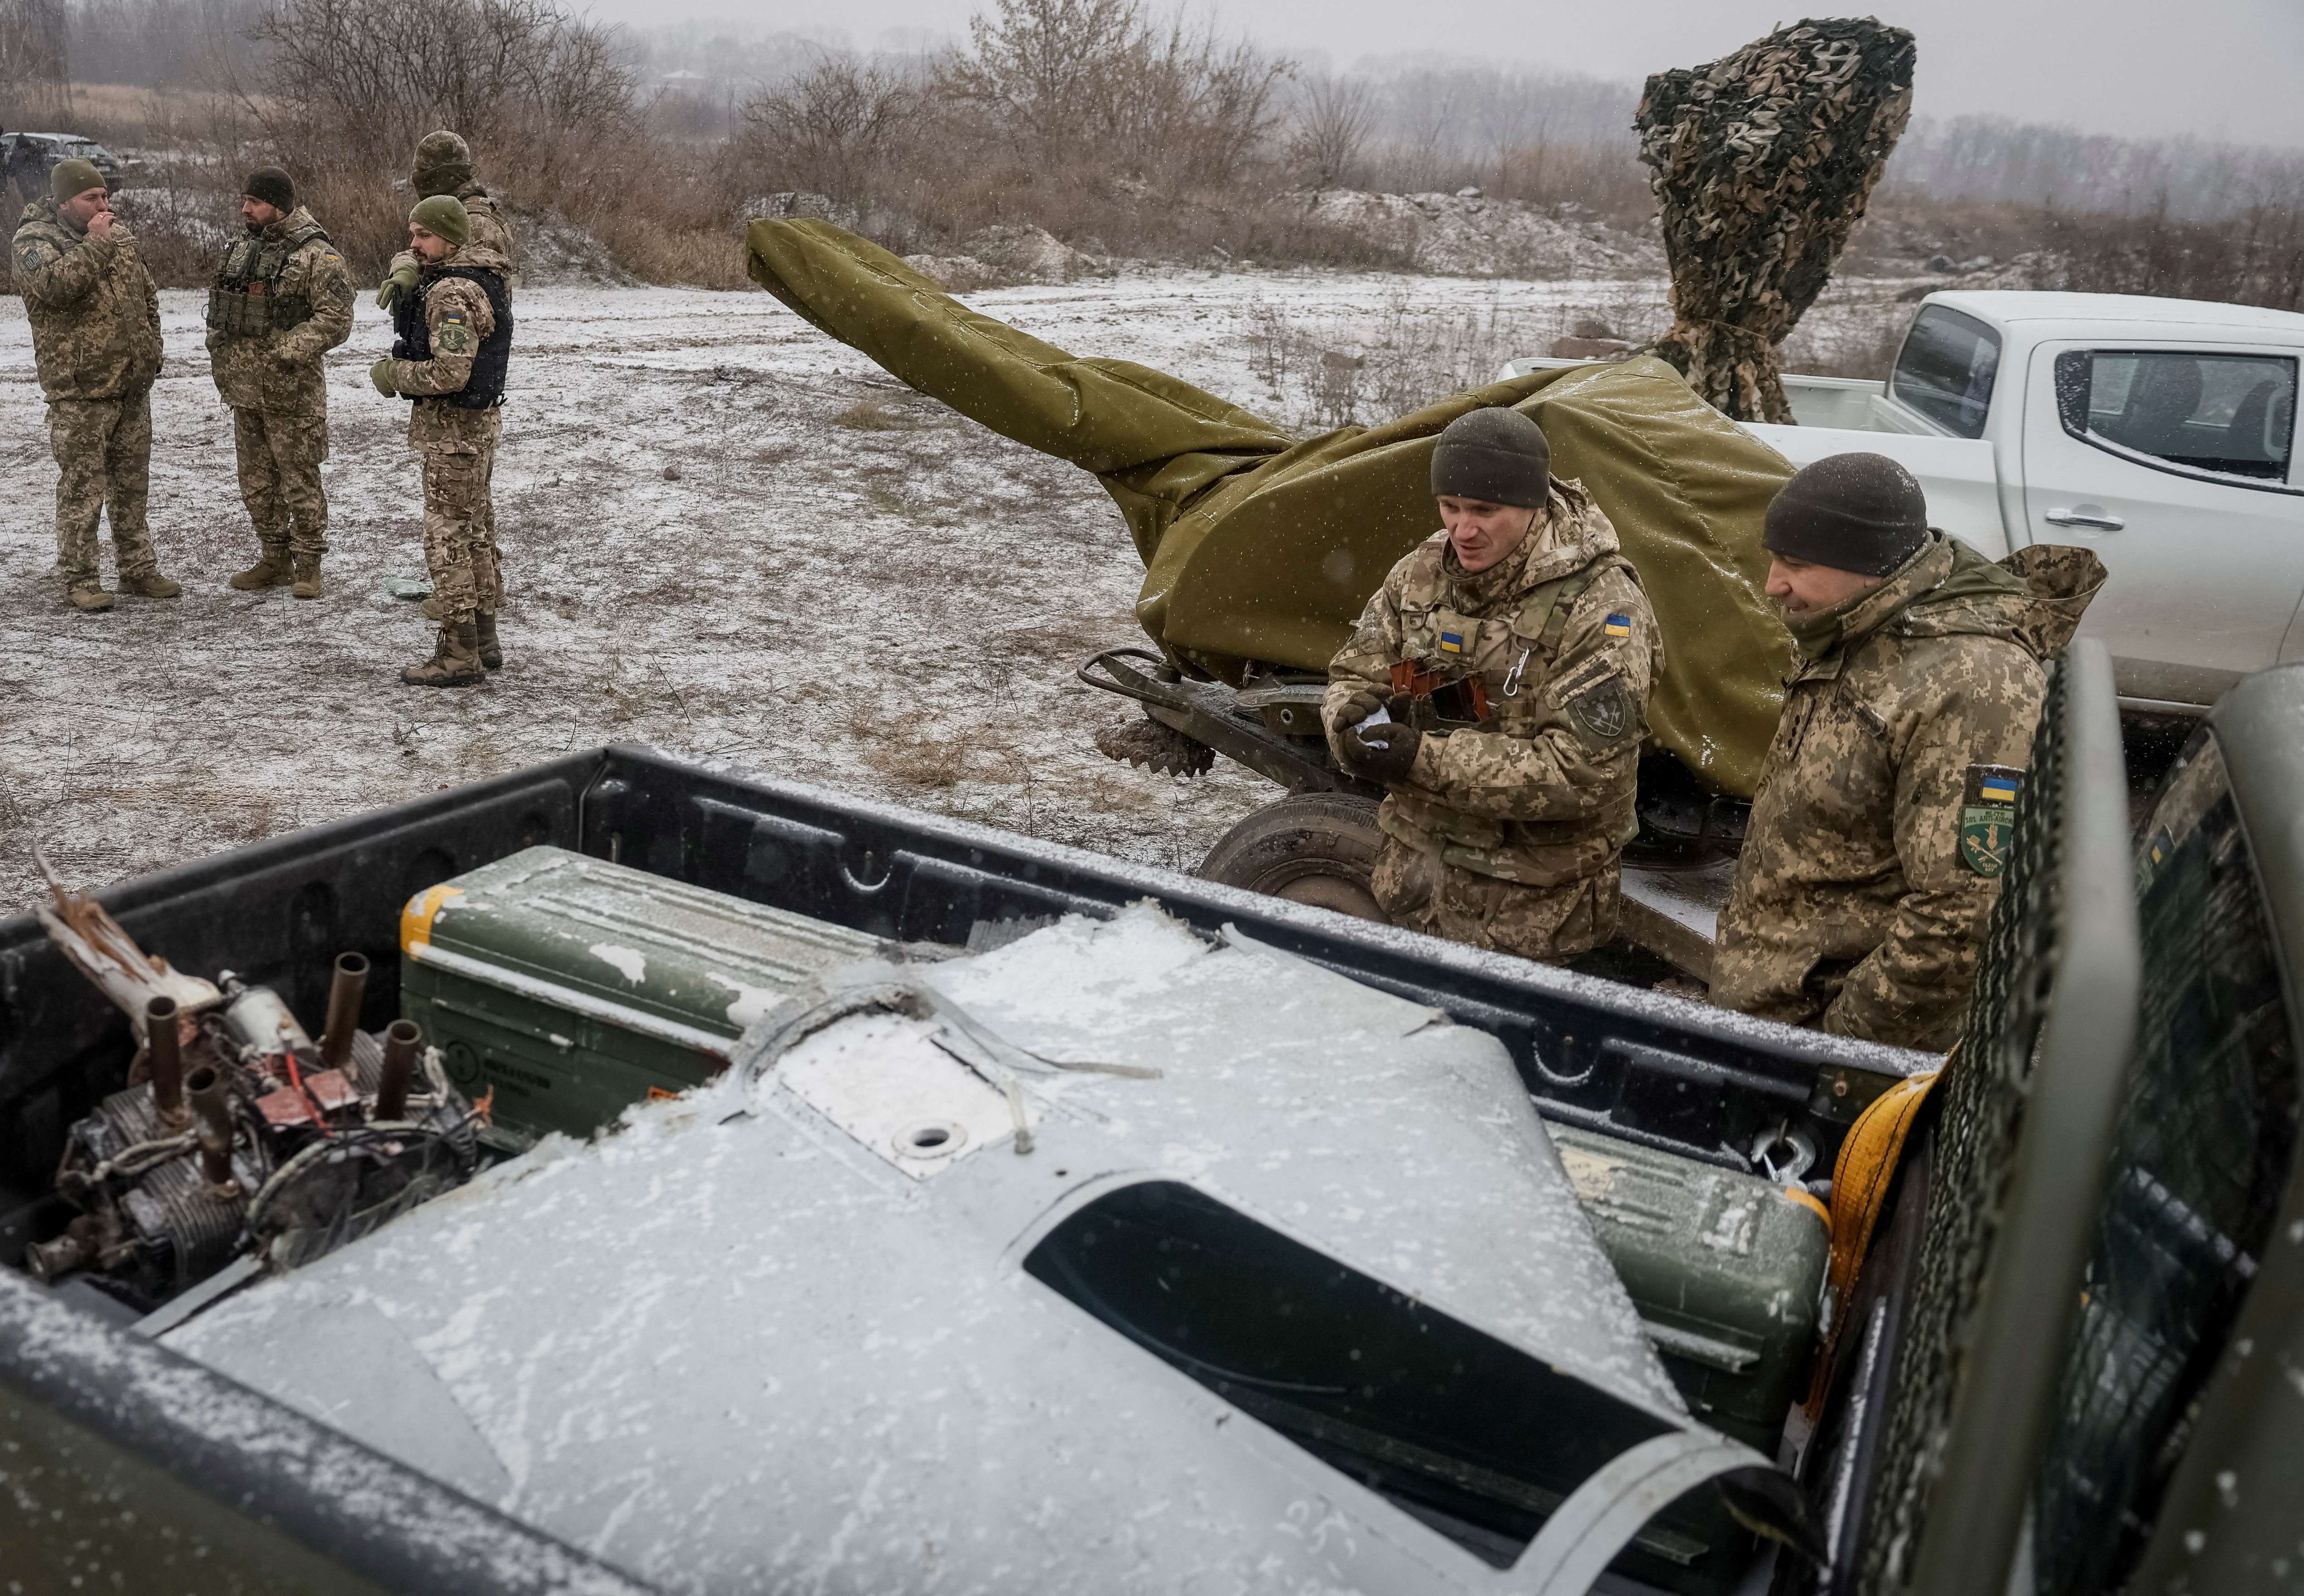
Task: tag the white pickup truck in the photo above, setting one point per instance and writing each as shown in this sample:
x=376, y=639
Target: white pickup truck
x=2160, y=434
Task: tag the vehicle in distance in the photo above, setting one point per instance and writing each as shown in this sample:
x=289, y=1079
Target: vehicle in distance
x=2159, y=433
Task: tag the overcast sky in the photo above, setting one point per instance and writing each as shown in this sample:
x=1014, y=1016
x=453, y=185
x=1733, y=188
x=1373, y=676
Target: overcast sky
x=2221, y=68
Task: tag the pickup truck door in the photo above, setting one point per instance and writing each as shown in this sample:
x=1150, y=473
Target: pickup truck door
x=2174, y=464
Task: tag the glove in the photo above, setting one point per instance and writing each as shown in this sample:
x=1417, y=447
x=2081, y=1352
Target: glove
x=401, y=281
x=380, y=373
x=1357, y=707
x=1384, y=753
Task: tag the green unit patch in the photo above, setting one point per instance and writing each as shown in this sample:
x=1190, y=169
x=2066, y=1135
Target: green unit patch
x=1603, y=710
x=1987, y=817
x=456, y=338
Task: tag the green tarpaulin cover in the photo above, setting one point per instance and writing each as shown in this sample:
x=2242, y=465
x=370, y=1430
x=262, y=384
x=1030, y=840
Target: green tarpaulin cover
x=1258, y=547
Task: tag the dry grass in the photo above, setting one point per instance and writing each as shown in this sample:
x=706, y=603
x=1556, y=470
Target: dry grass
x=872, y=415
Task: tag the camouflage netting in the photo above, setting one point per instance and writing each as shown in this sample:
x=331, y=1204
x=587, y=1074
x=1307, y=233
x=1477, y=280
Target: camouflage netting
x=1761, y=164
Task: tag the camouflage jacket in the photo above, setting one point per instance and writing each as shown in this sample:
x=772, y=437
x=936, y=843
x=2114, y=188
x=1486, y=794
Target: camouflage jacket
x=490, y=231
x=94, y=310
x=1884, y=811
x=457, y=316
x=1535, y=784
x=282, y=300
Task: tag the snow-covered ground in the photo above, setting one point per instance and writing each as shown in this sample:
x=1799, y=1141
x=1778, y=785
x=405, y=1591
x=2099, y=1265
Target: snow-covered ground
x=725, y=536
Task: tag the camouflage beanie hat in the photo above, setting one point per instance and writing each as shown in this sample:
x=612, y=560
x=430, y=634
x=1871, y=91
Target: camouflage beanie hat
x=1858, y=513
x=443, y=162
x=273, y=186
x=443, y=214
x=68, y=180
x=1495, y=455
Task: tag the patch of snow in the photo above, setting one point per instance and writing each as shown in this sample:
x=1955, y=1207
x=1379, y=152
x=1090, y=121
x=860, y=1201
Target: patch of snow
x=1466, y=234
x=630, y=962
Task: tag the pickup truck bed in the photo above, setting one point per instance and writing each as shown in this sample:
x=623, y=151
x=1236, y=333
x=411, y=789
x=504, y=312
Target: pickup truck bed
x=1997, y=1281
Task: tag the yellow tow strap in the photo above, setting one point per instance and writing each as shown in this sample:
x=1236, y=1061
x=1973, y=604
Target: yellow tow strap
x=1861, y=1179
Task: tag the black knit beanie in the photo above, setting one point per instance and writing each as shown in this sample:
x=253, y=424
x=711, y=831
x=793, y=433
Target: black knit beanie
x=1496, y=455
x=1861, y=513
x=271, y=185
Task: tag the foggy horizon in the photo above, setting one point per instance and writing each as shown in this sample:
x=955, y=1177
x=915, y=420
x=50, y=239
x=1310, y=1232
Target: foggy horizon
x=2112, y=66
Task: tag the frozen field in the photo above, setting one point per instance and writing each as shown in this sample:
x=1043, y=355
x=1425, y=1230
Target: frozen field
x=725, y=536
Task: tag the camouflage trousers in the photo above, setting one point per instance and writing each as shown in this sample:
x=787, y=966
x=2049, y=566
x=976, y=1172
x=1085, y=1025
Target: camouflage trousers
x=280, y=457
x=1548, y=924
x=460, y=532
x=104, y=463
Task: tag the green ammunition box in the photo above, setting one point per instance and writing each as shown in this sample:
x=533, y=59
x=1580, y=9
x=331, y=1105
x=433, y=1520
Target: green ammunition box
x=572, y=988
x=1727, y=1270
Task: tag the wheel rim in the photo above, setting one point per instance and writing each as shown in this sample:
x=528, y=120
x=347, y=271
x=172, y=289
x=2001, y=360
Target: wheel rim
x=1343, y=893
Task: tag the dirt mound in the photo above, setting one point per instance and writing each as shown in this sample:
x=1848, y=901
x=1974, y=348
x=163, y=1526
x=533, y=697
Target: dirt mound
x=1004, y=256
x=1471, y=236
x=556, y=253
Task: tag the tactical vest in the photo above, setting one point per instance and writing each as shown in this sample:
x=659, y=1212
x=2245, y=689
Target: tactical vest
x=412, y=339
x=1444, y=693
x=246, y=301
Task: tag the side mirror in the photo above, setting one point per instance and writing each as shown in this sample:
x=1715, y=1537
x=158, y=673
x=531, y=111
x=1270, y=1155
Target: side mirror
x=2075, y=380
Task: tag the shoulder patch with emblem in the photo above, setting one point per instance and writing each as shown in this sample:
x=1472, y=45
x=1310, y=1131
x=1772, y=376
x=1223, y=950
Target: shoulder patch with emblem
x=453, y=338
x=1603, y=709
x=1987, y=817
x=29, y=258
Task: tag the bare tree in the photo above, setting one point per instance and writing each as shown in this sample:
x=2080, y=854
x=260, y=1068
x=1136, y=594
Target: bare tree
x=1093, y=82
x=32, y=62
x=1334, y=121
x=836, y=126
x=363, y=80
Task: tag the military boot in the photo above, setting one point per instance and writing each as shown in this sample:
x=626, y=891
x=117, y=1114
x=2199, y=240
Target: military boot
x=308, y=577
x=149, y=584
x=491, y=652
x=270, y=572
x=88, y=596
x=455, y=661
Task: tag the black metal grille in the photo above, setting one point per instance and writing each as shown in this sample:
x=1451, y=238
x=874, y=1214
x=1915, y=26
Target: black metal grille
x=2205, y=1136
x=1981, y=1105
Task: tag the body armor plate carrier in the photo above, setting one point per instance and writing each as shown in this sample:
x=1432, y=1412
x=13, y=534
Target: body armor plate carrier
x=412, y=339
x=245, y=301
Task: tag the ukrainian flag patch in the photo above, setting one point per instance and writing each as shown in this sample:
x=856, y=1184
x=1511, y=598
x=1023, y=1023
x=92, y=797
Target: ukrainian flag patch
x=1452, y=642
x=1987, y=817
x=1618, y=626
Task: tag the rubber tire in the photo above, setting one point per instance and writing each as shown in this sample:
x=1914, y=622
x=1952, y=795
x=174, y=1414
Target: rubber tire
x=1315, y=847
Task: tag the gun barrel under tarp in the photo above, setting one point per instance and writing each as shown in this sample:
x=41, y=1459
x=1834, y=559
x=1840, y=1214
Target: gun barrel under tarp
x=1261, y=546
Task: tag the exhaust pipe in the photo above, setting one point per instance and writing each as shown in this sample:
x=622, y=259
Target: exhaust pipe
x=401, y=1039
x=212, y=1111
x=166, y=1057
x=344, y=995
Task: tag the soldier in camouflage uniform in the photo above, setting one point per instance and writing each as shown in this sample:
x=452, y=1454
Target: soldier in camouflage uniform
x=282, y=300
x=1884, y=814
x=444, y=166
x=96, y=343
x=454, y=340
x=1511, y=658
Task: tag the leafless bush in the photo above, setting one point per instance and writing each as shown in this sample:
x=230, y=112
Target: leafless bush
x=32, y=62
x=1095, y=80
x=359, y=81
x=1334, y=121
x=2255, y=257
x=1316, y=376
x=836, y=127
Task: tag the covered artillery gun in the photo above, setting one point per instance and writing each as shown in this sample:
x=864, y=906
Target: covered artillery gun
x=1260, y=549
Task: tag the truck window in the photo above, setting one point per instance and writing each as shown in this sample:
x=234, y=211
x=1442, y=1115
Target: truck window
x=2199, y=1159
x=1946, y=368
x=2233, y=415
